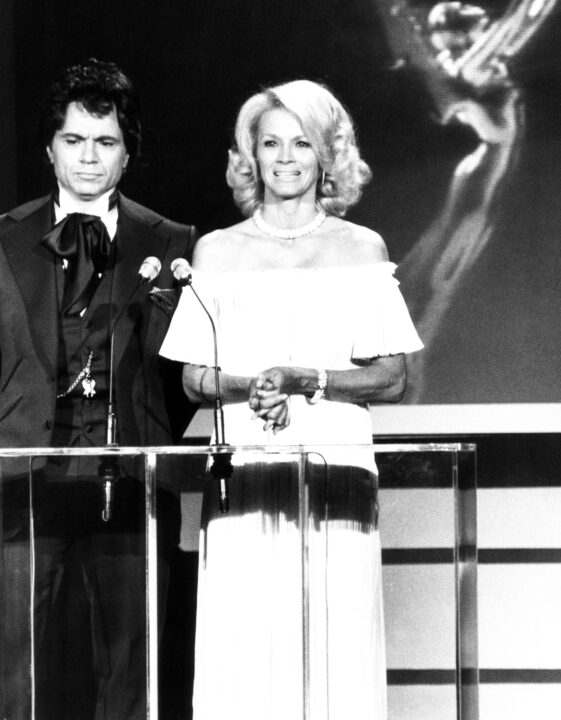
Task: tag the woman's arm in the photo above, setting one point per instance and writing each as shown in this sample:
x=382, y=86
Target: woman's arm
x=199, y=384
x=380, y=379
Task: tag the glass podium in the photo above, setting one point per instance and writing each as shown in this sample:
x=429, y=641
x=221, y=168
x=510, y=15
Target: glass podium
x=427, y=501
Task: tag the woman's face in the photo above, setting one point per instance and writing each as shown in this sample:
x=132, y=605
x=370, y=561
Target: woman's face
x=287, y=163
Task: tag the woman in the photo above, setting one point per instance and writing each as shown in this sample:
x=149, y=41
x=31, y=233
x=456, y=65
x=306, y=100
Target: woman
x=311, y=328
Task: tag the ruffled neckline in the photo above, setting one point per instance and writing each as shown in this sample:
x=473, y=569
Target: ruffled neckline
x=385, y=268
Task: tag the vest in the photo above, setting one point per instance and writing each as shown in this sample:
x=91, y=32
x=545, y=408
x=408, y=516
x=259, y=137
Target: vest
x=80, y=421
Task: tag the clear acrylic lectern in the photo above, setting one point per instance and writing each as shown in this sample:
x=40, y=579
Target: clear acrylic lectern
x=427, y=498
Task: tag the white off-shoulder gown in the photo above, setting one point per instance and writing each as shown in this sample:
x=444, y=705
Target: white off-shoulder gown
x=248, y=658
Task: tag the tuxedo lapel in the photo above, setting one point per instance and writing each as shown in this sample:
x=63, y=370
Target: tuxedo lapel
x=34, y=270
x=135, y=242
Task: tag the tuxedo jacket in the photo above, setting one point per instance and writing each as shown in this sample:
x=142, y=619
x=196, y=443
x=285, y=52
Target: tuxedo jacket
x=29, y=330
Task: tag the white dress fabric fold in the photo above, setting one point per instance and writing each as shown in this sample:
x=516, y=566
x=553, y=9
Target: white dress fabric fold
x=249, y=639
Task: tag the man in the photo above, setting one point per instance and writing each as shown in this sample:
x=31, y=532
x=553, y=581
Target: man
x=69, y=264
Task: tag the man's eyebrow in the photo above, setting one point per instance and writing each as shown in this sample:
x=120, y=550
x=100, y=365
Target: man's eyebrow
x=70, y=134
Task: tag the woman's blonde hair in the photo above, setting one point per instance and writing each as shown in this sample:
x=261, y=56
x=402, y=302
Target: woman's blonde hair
x=328, y=127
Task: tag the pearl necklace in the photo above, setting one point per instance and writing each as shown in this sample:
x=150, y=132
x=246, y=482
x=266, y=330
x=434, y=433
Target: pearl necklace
x=288, y=234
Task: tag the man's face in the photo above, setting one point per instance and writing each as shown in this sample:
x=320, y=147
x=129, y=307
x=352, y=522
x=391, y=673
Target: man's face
x=88, y=153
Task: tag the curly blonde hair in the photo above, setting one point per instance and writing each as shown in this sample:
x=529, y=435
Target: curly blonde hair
x=328, y=127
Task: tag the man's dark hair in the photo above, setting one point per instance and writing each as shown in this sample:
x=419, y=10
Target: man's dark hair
x=98, y=86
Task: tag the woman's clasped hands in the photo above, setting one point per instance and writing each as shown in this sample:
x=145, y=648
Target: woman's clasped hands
x=269, y=400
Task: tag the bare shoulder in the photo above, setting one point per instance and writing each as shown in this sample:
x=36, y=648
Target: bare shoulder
x=363, y=244
x=216, y=250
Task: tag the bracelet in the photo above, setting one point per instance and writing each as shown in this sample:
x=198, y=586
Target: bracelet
x=201, y=391
x=320, y=392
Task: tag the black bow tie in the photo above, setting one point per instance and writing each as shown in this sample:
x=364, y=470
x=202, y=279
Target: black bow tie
x=83, y=240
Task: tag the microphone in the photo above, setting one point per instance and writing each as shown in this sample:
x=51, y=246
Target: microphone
x=109, y=468
x=149, y=270
x=182, y=272
x=221, y=466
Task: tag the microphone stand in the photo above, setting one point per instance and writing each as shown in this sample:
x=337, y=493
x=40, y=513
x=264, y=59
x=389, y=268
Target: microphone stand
x=109, y=469
x=221, y=468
